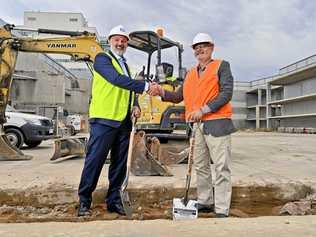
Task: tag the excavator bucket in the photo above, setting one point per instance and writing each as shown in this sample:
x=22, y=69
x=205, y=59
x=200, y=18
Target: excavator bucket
x=173, y=156
x=69, y=147
x=9, y=152
x=145, y=158
x=168, y=154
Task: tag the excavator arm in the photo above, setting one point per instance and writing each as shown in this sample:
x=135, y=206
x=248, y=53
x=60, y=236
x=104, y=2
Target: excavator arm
x=81, y=46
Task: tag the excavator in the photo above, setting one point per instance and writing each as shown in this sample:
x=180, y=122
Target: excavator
x=83, y=46
x=160, y=119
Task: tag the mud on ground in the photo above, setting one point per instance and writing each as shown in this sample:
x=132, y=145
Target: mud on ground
x=147, y=205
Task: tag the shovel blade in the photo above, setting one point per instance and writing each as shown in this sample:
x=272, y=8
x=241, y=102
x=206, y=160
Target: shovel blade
x=127, y=205
x=184, y=212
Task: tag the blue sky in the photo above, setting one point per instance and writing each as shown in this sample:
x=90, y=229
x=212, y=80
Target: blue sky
x=256, y=37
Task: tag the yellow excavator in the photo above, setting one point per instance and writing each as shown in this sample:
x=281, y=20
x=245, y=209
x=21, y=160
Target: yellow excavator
x=160, y=119
x=79, y=45
x=83, y=46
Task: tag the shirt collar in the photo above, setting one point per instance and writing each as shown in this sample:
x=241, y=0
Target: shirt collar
x=199, y=68
x=118, y=57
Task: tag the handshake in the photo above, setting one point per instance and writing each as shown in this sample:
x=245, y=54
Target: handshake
x=155, y=89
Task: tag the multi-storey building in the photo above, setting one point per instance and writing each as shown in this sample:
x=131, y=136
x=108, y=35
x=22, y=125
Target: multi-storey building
x=287, y=100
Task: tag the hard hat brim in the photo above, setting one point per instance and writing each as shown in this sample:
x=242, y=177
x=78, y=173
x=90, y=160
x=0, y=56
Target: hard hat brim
x=193, y=45
x=126, y=36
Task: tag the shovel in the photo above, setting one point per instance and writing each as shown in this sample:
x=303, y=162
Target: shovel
x=123, y=192
x=184, y=208
x=189, y=169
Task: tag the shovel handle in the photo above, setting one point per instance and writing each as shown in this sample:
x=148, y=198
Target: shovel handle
x=129, y=153
x=191, y=149
x=190, y=162
x=130, y=145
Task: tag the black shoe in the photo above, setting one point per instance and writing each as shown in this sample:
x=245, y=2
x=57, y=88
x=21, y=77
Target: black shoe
x=84, y=210
x=220, y=215
x=116, y=207
x=204, y=208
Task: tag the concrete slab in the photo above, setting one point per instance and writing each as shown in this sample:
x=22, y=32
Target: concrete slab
x=237, y=227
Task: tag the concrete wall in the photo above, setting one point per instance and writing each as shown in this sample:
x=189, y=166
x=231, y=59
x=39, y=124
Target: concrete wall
x=51, y=20
x=299, y=107
x=300, y=88
x=81, y=73
x=77, y=100
x=22, y=90
x=48, y=86
x=40, y=85
x=307, y=122
x=239, y=104
x=252, y=99
x=263, y=97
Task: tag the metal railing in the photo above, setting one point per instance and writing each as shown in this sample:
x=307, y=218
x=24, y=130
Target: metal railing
x=261, y=81
x=60, y=69
x=289, y=68
x=57, y=66
x=299, y=64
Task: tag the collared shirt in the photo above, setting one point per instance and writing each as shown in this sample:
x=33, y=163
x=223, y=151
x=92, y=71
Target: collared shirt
x=201, y=70
x=122, y=62
x=216, y=127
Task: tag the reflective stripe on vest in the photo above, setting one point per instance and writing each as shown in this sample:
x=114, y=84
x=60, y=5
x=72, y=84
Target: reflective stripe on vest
x=198, y=91
x=109, y=101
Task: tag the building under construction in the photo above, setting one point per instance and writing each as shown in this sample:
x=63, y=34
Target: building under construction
x=286, y=101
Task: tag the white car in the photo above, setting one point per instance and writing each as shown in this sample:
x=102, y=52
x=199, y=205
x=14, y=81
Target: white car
x=26, y=128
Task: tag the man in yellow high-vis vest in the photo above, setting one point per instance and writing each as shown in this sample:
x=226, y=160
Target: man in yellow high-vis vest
x=112, y=104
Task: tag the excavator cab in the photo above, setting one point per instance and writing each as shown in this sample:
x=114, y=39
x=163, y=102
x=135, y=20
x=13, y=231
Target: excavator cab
x=167, y=69
x=160, y=118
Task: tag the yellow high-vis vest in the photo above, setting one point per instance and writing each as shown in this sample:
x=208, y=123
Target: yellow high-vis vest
x=109, y=101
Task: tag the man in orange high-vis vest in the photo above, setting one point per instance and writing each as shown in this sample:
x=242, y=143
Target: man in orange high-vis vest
x=207, y=91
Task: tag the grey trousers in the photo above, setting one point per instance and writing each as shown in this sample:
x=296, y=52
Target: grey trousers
x=217, y=149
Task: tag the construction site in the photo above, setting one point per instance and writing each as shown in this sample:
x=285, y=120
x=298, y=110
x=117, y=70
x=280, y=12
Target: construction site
x=46, y=72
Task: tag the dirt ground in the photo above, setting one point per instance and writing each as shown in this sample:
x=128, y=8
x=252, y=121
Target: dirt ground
x=269, y=170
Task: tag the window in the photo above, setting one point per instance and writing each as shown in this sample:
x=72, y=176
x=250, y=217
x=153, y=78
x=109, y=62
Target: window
x=73, y=19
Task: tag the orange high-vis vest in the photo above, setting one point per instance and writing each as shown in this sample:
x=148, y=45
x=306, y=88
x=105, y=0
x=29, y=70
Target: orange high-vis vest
x=198, y=91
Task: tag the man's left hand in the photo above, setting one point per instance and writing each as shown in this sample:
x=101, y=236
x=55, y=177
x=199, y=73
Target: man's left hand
x=136, y=112
x=195, y=116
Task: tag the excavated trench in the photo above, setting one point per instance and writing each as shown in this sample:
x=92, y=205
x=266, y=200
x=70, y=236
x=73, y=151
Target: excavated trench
x=148, y=204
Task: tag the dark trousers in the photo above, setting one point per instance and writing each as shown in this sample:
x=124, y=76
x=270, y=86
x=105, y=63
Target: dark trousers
x=102, y=139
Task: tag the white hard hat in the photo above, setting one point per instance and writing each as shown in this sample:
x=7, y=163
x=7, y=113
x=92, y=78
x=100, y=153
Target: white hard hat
x=118, y=30
x=202, y=38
